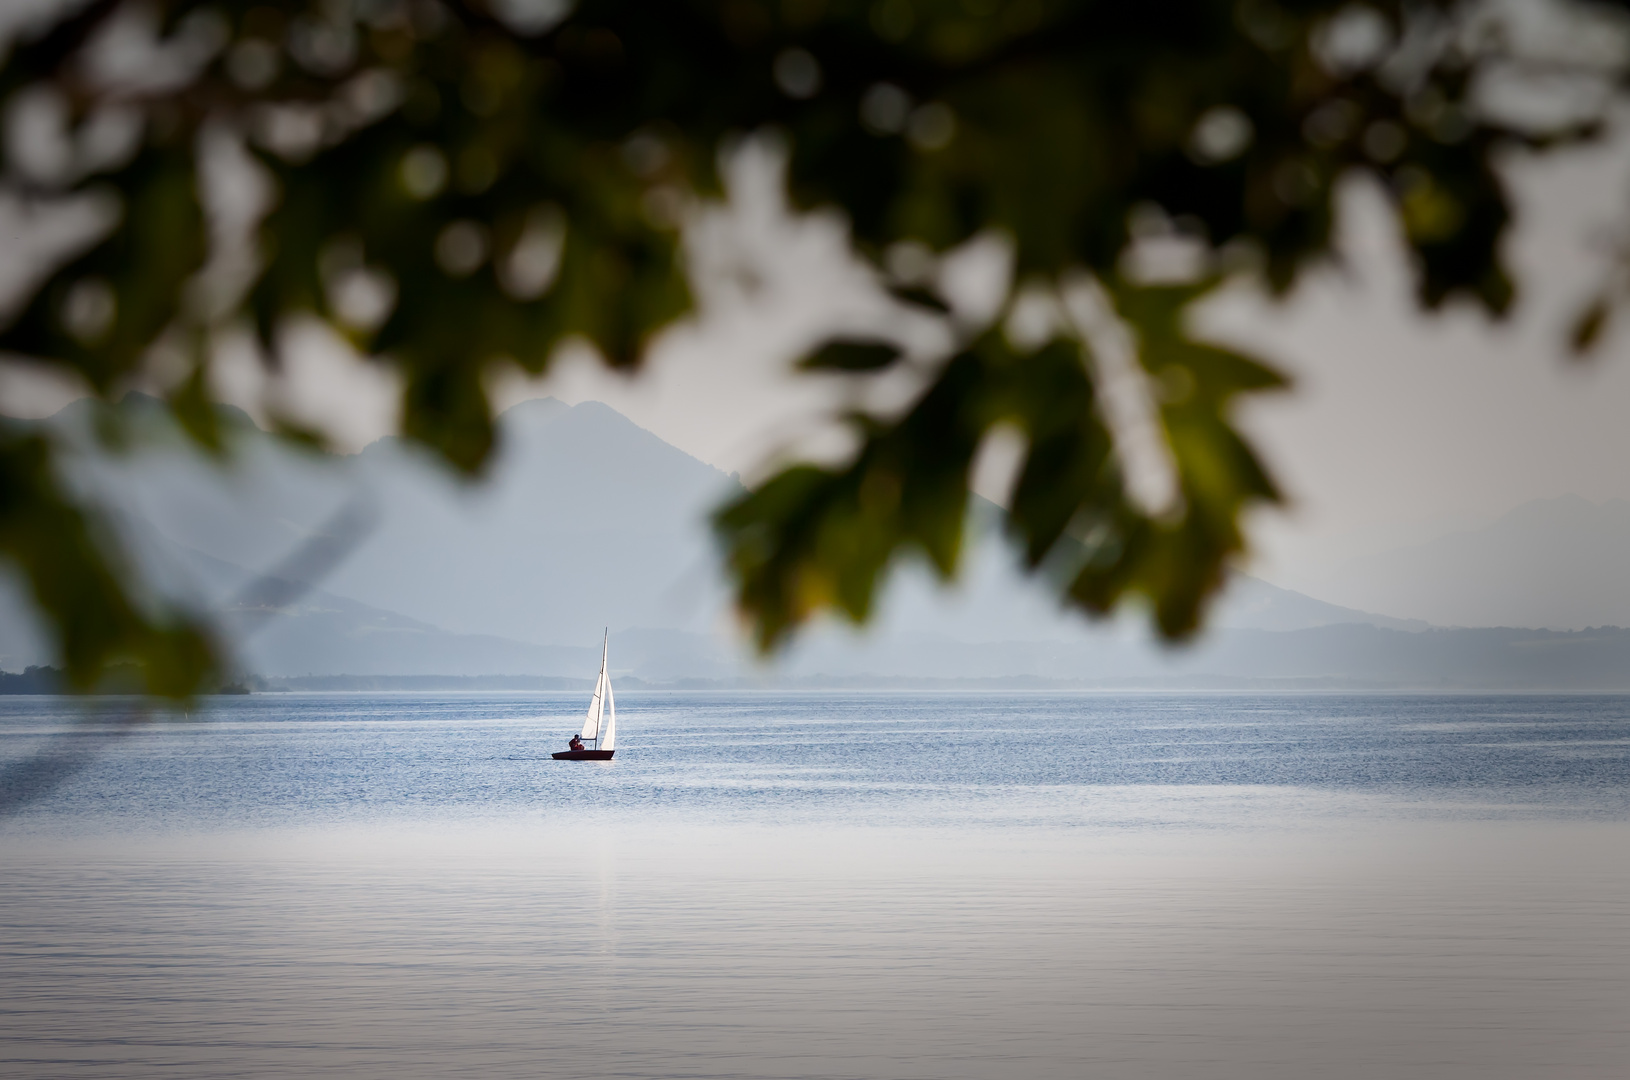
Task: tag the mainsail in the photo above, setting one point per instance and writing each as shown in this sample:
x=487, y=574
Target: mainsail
x=602, y=688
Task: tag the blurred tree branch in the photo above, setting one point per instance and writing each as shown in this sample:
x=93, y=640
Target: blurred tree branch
x=455, y=185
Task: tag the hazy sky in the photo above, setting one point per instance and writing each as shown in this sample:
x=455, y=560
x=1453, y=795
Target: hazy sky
x=1401, y=426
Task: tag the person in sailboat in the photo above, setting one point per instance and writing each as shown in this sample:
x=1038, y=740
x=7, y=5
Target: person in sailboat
x=576, y=743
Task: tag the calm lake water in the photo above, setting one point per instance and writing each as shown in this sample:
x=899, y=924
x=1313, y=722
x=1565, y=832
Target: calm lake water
x=835, y=885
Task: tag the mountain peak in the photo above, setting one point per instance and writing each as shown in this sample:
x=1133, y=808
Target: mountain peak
x=533, y=408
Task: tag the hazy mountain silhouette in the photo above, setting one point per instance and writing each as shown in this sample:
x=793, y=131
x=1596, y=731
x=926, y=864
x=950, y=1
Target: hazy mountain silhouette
x=582, y=521
x=587, y=521
x=282, y=628
x=1344, y=655
x=1250, y=603
x=1559, y=563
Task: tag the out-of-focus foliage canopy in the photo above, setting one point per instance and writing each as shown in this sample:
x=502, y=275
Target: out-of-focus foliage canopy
x=455, y=183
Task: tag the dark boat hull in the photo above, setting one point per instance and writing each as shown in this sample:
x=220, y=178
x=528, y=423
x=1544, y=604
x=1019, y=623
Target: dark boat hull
x=583, y=755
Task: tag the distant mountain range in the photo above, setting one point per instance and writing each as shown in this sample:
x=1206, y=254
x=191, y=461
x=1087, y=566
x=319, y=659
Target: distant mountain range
x=587, y=521
x=582, y=521
x=1338, y=656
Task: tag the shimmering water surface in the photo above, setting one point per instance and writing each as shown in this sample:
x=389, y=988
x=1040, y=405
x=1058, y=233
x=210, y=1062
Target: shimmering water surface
x=833, y=885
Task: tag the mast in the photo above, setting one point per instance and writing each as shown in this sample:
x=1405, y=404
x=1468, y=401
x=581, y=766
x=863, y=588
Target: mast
x=602, y=688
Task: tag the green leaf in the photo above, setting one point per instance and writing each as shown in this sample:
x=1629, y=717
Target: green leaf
x=918, y=296
x=844, y=355
x=1588, y=327
x=814, y=539
x=817, y=538
x=80, y=591
x=192, y=408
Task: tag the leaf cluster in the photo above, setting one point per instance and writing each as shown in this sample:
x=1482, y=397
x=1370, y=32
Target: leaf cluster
x=814, y=538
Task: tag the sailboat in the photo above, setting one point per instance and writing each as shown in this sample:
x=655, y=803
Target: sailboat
x=600, y=728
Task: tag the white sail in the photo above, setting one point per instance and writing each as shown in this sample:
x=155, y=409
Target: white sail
x=591, y=726
x=609, y=740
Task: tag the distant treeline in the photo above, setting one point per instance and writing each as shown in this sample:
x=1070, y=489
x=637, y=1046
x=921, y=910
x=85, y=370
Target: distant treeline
x=45, y=679
x=32, y=680
x=285, y=684
x=118, y=679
